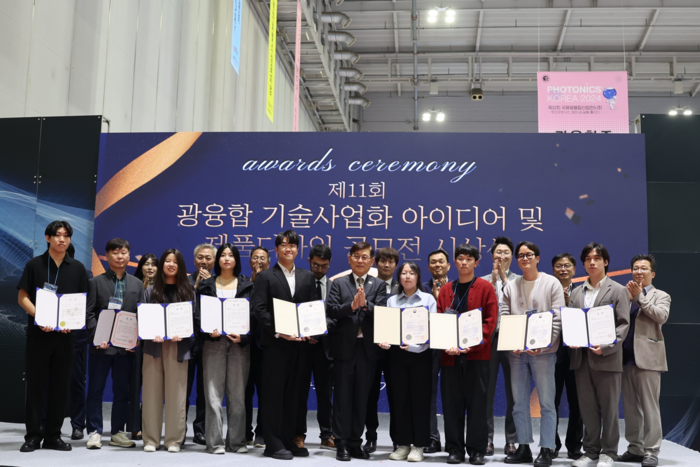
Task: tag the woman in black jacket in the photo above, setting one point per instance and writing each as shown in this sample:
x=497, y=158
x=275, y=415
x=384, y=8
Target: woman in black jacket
x=226, y=358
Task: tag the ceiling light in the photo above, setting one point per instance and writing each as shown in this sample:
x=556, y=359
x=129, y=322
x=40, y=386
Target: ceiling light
x=450, y=13
x=426, y=117
x=673, y=112
x=450, y=19
x=432, y=19
x=687, y=111
x=432, y=13
x=441, y=117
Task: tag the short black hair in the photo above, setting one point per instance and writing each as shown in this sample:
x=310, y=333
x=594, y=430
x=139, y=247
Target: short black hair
x=562, y=256
x=647, y=257
x=267, y=252
x=467, y=249
x=291, y=237
x=359, y=246
x=117, y=244
x=320, y=251
x=52, y=228
x=387, y=253
x=529, y=245
x=502, y=241
x=236, y=257
x=600, y=249
x=415, y=268
x=439, y=251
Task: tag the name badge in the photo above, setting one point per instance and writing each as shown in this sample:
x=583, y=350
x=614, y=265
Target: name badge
x=115, y=304
x=50, y=287
x=451, y=311
x=529, y=312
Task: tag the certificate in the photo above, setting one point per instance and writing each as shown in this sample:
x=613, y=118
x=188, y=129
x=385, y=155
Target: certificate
x=387, y=325
x=539, y=330
x=179, y=320
x=103, y=331
x=443, y=331
x=285, y=317
x=574, y=327
x=415, y=325
x=601, y=325
x=471, y=330
x=60, y=311
x=236, y=316
x=312, y=318
x=125, y=332
x=512, y=332
x=211, y=315
x=151, y=321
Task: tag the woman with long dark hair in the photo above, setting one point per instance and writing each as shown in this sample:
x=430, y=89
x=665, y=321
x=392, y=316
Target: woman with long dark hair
x=165, y=362
x=147, y=269
x=226, y=359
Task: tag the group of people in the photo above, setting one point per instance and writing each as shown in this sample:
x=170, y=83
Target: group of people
x=346, y=364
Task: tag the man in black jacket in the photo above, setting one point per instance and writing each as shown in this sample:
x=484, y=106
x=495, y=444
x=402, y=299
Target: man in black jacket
x=284, y=357
x=113, y=290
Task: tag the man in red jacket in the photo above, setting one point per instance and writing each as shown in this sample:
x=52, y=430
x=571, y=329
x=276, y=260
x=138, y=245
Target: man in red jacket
x=465, y=373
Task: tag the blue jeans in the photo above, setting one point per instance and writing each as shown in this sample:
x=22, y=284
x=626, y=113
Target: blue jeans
x=524, y=368
x=98, y=368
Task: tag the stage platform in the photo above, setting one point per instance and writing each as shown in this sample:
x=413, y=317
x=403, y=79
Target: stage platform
x=12, y=437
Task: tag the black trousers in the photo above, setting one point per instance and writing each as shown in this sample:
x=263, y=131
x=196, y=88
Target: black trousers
x=352, y=380
x=372, y=417
x=322, y=369
x=411, y=381
x=133, y=424
x=195, y=363
x=500, y=358
x=563, y=376
x=78, y=394
x=281, y=370
x=254, y=380
x=463, y=387
x=49, y=360
x=434, y=432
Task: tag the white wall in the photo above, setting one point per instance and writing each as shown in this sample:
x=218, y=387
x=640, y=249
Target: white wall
x=510, y=113
x=147, y=65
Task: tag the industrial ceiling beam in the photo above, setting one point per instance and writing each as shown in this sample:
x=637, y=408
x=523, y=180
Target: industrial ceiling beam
x=649, y=28
x=563, y=29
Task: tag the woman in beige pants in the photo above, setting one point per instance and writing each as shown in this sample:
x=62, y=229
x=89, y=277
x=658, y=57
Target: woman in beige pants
x=165, y=362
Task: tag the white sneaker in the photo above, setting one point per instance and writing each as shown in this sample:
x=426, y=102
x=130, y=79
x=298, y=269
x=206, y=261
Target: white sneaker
x=121, y=440
x=605, y=461
x=416, y=454
x=219, y=450
x=585, y=461
x=149, y=448
x=94, y=440
x=401, y=453
x=242, y=450
x=174, y=448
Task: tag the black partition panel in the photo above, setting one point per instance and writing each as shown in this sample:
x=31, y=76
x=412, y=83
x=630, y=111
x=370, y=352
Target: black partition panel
x=673, y=197
x=49, y=165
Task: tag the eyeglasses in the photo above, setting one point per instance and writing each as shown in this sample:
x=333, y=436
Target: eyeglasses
x=408, y=274
x=502, y=253
x=642, y=269
x=320, y=267
x=361, y=258
x=525, y=256
x=563, y=266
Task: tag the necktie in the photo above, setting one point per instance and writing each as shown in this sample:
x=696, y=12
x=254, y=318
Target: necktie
x=318, y=289
x=360, y=281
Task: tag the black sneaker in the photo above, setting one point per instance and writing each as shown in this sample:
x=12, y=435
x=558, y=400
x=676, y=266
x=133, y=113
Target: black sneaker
x=522, y=455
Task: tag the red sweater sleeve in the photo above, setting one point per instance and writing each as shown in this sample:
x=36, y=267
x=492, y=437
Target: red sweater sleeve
x=482, y=295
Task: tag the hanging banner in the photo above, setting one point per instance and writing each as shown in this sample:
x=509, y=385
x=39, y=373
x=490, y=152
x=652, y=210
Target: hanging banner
x=582, y=102
x=297, y=69
x=236, y=35
x=271, y=58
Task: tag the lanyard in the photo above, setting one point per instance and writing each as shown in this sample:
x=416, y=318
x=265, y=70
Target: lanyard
x=466, y=293
x=48, y=271
x=534, y=291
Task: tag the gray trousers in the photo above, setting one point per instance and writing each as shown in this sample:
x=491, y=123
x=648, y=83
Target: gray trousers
x=599, y=398
x=640, y=402
x=226, y=366
x=500, y=358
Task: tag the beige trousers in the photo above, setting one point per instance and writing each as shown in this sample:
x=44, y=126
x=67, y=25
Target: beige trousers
x=640, y=402
x=164, y=379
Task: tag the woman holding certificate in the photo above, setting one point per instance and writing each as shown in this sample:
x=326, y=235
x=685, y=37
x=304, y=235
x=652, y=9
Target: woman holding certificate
x=165, y=361
x=411, y=372
x=226, y=356
x=536, y=297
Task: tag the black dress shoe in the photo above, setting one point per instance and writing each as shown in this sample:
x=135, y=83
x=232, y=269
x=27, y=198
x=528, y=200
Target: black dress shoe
x=56, y=445
x=545, y=458
x=509, y=449
x=522, y=455
x=370, y=446
x=455, y=457
x=342, y=453
x=357, y=452
x=433, y=447
x=629, y=457
x=575, y=455
x=650, y=461
x=30, y=446
x=490, y=450
x=282, y=454
x=77, y=434
x=199, y=438
x=299, y=452
x=477, y=458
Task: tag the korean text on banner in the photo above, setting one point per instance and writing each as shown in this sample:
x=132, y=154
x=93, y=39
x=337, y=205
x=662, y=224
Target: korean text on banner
x=236, y=35
x=271, y=58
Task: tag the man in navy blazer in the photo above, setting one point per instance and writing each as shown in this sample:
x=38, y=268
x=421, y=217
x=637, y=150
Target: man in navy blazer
x=284, y=357
x=350, y=304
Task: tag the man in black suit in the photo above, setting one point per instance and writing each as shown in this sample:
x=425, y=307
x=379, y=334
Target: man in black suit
x=320, y=362
x=351, y=304
x=284, y=357
x=113, y=290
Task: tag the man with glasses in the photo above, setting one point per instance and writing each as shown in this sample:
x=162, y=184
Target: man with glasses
x=319, y=361
x=351, y=303
x=598, y=369
x=284, y=357
x=644, y=358
x=502, y=256
x=564, y=269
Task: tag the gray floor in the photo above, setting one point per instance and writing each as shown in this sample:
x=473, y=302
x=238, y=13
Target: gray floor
x=12, y=436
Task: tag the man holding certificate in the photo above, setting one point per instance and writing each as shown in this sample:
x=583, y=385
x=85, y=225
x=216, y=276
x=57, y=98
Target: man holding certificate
x=115, y=291
x=351, y=303
x=539, y=296
x=599, y=368
x=54, y=274
x=465, y=372
x=284, y=356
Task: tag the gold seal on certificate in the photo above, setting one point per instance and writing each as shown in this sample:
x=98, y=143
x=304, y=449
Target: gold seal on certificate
x=61, y=312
